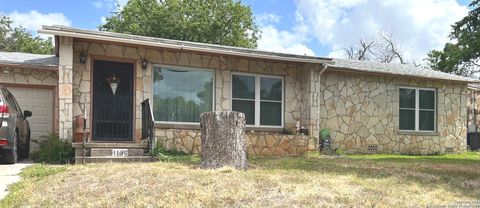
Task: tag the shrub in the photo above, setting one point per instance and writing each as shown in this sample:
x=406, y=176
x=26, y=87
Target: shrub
x=54, y=150
x=340, y=151
x=324, y=133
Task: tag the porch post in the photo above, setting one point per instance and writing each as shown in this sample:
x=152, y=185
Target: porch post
x=65, y=87
x=314, y=81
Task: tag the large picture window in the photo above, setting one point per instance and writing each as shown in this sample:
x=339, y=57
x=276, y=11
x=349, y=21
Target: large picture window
x=417, y=109
x=180, y=94
x=260, y=98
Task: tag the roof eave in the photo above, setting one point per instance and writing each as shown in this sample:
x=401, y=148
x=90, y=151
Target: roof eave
x=334, y=68
x=32, y=66
x=177, y=47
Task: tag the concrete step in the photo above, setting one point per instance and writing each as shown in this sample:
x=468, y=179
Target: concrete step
x=110, y=159
x=94, y=152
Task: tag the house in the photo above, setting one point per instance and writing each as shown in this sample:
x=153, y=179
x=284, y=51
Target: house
x=369, y=107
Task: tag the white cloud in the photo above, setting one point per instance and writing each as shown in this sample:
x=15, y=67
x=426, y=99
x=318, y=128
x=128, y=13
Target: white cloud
x=267, y=18
x=282, y=41
x=290, y=41
x=109, y=5
x=32, y=21
x=417, y=26
x=98, y=4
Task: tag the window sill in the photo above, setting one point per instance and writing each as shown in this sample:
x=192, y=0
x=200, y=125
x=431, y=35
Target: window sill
x=418, y=133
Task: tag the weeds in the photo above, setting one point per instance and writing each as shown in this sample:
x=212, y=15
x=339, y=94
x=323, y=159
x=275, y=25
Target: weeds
x=54, y=150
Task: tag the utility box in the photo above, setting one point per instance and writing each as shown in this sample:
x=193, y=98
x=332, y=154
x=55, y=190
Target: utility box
x=473, y=141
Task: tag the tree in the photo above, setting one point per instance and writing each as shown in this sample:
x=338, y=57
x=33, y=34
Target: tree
x=461, y=56
x=382, y=49
x=224, y=22
x=19, y=40
x=223, y=140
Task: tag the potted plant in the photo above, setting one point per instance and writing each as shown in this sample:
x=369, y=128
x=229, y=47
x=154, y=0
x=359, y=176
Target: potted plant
x=325, y=139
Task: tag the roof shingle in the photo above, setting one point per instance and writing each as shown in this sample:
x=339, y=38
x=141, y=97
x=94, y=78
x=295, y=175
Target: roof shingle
x=398, y=69
x=16, y=58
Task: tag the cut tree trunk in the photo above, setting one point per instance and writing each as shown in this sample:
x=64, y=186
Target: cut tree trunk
x=223, y=139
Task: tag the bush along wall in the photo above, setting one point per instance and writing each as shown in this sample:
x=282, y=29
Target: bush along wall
x=54, y=150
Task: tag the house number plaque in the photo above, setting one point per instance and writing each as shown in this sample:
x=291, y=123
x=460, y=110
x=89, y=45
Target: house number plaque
x=119, y=152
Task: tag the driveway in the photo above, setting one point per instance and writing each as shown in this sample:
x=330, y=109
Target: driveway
x=9, y=174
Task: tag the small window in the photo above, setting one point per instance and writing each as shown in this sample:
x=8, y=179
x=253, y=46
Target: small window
x=260, y=98
x=417, y=109
x=180, y=94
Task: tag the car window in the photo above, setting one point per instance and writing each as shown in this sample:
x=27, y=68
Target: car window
x=13, y=102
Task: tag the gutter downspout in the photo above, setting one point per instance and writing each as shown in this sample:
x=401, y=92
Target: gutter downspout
x=318, y=99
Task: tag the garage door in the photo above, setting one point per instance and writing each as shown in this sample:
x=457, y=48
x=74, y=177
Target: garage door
x=40, y=102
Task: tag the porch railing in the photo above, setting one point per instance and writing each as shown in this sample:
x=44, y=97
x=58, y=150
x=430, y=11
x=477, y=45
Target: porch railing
x=148, y=129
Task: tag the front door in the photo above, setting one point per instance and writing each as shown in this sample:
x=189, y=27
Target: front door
x=112, y=102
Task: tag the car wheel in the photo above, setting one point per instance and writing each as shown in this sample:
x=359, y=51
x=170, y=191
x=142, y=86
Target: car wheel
x=25, y=151
x=11, y=155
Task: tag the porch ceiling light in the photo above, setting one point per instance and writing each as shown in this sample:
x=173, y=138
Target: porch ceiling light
x=113, y=81
x=83, y=58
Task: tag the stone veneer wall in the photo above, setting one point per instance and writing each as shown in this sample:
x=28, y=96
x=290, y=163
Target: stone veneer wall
x=65, y=88
x=362, y=110
x=300, y=98
x=33, y=77
x=258, y=144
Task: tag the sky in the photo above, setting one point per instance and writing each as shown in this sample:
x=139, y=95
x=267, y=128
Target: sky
x=306, y=27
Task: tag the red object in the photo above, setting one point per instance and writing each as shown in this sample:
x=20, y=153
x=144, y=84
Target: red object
x=79, y=128
x=3, y=142
x=4, y=111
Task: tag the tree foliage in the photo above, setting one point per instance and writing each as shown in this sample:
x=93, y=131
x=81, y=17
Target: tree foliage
x=19, y=40
x=224, y=22
x=461, y=56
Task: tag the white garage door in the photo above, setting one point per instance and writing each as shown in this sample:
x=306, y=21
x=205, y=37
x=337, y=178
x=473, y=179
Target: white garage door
x=40, y=102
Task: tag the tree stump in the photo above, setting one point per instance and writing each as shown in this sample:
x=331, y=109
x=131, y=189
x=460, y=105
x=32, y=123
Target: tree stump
x=223, y=139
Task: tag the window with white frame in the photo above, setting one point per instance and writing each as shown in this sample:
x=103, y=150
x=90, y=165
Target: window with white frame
x=259, y=97
x=417, y=109
x=181, y=94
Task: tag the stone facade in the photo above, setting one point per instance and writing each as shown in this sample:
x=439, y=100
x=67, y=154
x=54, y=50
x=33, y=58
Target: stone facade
x=65, y=88
x=258, y=143
x=360, y=109
x=28, y=76
x=31, y=77
x=296, y=77
x=362, y=112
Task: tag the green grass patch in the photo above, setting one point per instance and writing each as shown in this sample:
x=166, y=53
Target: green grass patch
x=31, y=176
x=463, y=158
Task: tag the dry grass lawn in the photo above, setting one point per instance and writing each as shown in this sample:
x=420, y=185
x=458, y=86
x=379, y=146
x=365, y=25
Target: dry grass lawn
x=309, y=181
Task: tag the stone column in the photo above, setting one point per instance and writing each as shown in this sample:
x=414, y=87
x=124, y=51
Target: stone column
x=65, y=87
x=311, y=100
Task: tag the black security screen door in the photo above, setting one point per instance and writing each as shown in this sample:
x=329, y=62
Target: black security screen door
x=112, y=114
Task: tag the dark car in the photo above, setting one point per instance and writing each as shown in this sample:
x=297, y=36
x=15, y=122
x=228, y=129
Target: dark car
x=14, y=128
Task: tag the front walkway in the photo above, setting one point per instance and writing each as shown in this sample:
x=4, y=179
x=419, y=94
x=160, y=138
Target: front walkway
x=9, y=175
